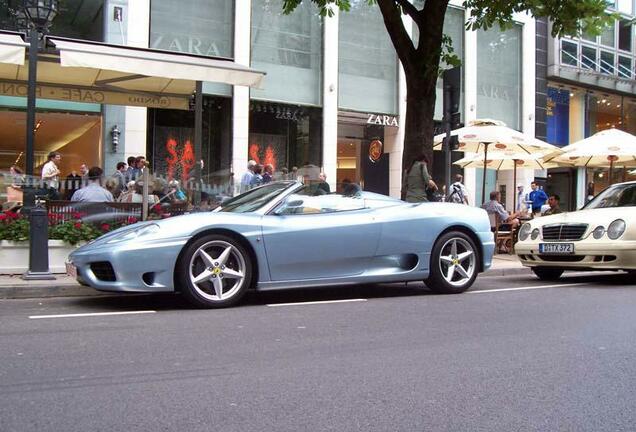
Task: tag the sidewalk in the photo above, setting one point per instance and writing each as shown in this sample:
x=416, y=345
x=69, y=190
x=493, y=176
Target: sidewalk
x=13, y=287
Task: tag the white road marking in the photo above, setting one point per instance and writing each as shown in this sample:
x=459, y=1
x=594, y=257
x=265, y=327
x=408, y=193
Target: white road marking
x=529, y=288
x=316, y=302
x=91, y=314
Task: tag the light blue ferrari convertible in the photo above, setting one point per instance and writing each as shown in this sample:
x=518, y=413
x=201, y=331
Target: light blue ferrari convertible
x=281, y=235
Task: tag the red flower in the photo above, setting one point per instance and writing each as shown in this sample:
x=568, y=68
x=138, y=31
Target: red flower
x=3, y=216
x=78, y=225
x=12, y=215
x=132, y=219
x=157, y=208
x=76, y=215
x=105, y=227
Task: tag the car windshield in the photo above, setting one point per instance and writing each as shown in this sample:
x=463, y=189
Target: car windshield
x=623, y=195
x=256, y=198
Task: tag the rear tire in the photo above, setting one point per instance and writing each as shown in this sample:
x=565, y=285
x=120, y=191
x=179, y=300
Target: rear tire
x=454, y=264
x=214, y=271
x=547, y=274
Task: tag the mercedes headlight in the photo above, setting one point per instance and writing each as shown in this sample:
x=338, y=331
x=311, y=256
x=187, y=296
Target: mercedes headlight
x=616, y=229
x=135, y=233
x=524, y=232
x=598, y=232
x=535, y=234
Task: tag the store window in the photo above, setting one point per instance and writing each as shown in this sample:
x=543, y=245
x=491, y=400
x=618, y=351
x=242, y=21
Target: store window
x=625, y=6
x=289, y=49
x=171, y=142
x=202, y=27
x=607, y=63
x=367, y=62
x=625, y=67
x=625, y=36
x=285, y=135
x=499, y=75
x=603, y=112
x=588, y=58
x=608, y=35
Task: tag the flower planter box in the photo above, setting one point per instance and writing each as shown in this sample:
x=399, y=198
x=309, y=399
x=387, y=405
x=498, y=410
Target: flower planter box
x=14, y=256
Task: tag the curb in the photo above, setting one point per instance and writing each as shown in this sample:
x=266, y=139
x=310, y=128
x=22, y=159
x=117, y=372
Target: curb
x=512, y=271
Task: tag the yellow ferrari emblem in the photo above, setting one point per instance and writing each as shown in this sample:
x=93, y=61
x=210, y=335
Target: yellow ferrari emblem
x=216, y=271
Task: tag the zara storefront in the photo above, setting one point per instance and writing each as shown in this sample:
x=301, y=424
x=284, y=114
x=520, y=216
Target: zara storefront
x=333, y=91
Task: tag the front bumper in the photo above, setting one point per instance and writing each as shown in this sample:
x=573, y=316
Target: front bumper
x=488, y=248
x=137, y=266
x=588, y=255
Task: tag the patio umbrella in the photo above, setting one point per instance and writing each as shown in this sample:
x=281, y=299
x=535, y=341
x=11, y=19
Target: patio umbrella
x=607, y=148
x=501, y=161
x=483, y=135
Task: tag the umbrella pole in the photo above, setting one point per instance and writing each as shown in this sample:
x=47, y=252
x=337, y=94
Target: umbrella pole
x=624, y=174
x=611, y=172
x=483, y=180
x=514, y=186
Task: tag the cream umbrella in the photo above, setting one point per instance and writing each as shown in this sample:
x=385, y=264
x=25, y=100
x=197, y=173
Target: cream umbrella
x=607, y=148
x=483, y=135
x=501, y=161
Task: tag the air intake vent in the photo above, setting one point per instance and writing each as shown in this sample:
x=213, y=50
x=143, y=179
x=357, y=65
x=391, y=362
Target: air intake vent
x=103, y=271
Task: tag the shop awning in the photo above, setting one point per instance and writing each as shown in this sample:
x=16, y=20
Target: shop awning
x=93, y=72
x=12, y=49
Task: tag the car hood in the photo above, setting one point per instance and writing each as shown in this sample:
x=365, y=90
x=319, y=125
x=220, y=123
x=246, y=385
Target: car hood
x=595, y=217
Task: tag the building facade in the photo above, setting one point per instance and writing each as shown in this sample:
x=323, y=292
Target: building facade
x=591, y=86
x=333, y=89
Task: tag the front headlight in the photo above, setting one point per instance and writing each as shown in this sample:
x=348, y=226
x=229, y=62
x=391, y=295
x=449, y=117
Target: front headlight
x=616, y=229
x=598, y=232
x=524, y=232
x=535, y=234
x=136, y=233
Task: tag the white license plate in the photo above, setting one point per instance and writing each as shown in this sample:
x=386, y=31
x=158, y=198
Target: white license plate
x=71, y=270
x=556, y=248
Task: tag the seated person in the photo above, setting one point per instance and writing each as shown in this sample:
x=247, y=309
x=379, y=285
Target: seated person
x=507, y=222
x=553, y=203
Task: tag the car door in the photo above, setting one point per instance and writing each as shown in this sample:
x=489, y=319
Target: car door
x=324, y=237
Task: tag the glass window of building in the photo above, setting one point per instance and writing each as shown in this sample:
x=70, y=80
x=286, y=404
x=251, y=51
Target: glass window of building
x=625, y=67
x=603, y=112
x=625, y=6
x=569, y=53
x=588, y=57
x=625, y=36
x=608, y=35
x=203, y=27
x=289, y=49
x=77, y=19
x=607, y=63
x=285, y=135
x=499, y=75
x=367, y=62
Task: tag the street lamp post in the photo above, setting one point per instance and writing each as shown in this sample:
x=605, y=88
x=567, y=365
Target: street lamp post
x=39, y=15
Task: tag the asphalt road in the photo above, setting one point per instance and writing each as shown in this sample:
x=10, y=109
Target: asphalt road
x=384, y=358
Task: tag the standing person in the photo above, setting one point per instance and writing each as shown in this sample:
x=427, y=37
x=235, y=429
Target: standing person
x=51, y=175
x=322, y=183
x=72, y=183
x=590, y=192
x=459, y=194
x=246, y=180
x=538, y=198
x=93, y=191
x=554, y=202
x=257, y=178
x=521, y=199
x=268, y=175
x=120, y=178
x=416, y=180
x=140, y=163
x=131, y=168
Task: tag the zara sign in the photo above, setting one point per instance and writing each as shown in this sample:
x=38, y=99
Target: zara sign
x=382, y=120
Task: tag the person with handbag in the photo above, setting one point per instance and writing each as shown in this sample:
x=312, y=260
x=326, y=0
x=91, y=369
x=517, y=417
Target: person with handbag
x=417, y=182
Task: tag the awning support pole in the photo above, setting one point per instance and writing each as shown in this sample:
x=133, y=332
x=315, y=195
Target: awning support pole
x=198, y=135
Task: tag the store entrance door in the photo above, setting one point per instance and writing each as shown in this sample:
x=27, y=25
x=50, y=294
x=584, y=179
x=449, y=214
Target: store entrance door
x=348, y=161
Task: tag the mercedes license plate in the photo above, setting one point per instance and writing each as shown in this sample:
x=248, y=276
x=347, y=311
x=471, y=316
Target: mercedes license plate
x=71, y=270
x=556, y=248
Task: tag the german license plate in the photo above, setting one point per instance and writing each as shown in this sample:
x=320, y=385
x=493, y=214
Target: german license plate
x=556, y=248
x=71, y=270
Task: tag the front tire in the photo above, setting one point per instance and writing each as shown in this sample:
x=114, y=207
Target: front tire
x=454, y=264
x=214, y=271
x=547, y=274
